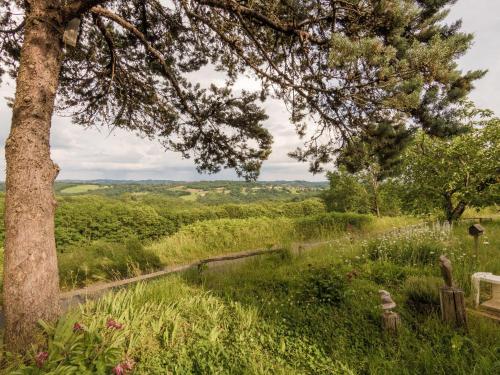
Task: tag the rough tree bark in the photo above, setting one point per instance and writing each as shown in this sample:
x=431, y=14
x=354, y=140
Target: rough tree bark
x=31, y=281
x=453, y=213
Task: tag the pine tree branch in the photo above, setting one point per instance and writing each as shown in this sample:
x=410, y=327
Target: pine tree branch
x=169, y=74
x=111, y=47
x=286, y=28
x=14, y=30
x=79, y=7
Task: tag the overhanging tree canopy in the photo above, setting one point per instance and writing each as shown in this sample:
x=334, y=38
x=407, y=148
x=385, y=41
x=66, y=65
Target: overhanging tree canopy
x=344, y=64
x=347, y=64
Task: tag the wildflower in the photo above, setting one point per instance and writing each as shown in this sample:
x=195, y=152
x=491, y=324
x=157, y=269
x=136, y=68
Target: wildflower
x=118, y=369
x=111, y=323
x=41, y=358
x=128, y=365
x=77, y=327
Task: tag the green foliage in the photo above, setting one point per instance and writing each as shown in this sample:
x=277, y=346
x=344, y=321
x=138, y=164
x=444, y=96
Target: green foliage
x=316, y=313
x=413, y=248
x=215, y=237
x=422, y=293
x=93, y=349
x=346, y=193
x=328, y=224
x=325, y=286
x=90, y=218
x=456, y=173
x=362, y=192
x=105, y=261
x=83, y=219
x=386, y=273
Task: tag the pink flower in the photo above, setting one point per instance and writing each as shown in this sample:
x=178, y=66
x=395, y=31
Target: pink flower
x=118, y=370
x=77, y=327
x=111, y=323
x=41, y=358
x=124, y=367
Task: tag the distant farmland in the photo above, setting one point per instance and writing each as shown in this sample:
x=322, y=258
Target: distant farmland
x=78, y=189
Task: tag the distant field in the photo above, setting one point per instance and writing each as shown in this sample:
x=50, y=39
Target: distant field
x=82, y=189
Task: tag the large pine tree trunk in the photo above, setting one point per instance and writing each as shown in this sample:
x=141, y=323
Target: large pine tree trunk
x=31, y=281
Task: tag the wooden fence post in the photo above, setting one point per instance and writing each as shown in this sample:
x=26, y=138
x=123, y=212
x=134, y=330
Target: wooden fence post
x=391, y=322
x=451, y=298
x=453, y=306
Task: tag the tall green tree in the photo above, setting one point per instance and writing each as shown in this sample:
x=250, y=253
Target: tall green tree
x=346, y=193
x=127, y=63
x=374, y=156
x=355, y=192
x=454, y=174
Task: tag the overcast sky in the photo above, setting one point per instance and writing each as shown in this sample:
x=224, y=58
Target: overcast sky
x=94, y=153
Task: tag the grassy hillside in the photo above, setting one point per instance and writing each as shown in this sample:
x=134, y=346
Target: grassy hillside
x=102, y=260
x=316, y=313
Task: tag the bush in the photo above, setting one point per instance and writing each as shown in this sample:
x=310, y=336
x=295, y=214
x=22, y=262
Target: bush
x=323, y=225
x=104, y=260
x=89, y=218
x=324, y=286
x=83, y=219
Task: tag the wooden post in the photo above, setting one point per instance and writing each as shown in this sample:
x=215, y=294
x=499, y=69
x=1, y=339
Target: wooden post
x=476, y=247
x=391, y=322
x=453, y=306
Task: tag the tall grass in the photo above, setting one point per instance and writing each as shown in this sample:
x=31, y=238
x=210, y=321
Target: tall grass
x=422, y=249
x=314, y=313
x=222, y=236
x=101, y=260
x=105, y=261
x=171, y=327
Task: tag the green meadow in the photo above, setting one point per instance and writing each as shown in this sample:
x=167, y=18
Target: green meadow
x=310, y=311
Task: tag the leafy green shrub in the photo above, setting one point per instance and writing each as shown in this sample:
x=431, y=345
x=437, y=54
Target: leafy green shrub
x=317, y=226
x=325, y=286
x=76, y=349
x=88, y=218
x=83, y=219
x=422, y=293
x=106, y=261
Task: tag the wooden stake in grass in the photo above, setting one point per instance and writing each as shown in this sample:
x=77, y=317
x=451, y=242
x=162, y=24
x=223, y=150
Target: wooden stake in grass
x=475, y=231
x=452, y=299
x=391, y=321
